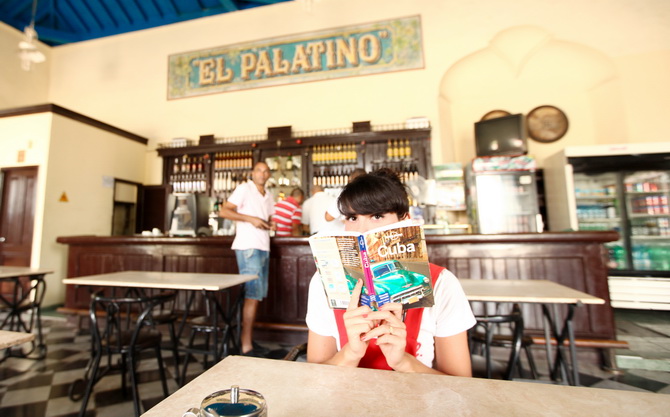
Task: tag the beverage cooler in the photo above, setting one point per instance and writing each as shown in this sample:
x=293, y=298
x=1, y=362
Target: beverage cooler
x=623, y=188
x=502, y=195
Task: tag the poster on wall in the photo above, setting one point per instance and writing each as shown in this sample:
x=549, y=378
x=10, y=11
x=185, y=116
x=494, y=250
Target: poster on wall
x=372, y=48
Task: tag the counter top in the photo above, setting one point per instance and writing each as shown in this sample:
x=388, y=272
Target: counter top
x=594, y=236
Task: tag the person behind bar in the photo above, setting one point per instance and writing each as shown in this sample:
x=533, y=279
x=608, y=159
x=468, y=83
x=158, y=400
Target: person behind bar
x=251, y=207
x=314, y=209
x=333, y=216
x=360, y=337
x=288, y=214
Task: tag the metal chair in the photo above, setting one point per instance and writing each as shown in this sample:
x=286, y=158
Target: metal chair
x=165, y=313
x=22, y=310
x=484, y=335
x=122, y=327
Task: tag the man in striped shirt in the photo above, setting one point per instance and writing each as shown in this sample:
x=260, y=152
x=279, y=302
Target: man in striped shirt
x=288, y=214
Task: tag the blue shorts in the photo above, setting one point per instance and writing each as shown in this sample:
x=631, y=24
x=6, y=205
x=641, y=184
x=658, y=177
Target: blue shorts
x=254, y=262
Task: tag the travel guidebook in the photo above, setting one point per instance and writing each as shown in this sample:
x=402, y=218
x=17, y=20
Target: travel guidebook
x=391, y=260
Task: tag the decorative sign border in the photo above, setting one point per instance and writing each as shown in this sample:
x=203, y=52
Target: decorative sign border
x=385, y=46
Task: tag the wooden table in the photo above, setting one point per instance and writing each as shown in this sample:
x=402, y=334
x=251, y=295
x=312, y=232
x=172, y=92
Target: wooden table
x=539, y=292
x=9, y=339
x=28, y=290
x=305, y=389
x=192, y=281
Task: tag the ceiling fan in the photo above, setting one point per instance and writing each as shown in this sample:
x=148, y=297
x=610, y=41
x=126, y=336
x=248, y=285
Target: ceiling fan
x=28, y=51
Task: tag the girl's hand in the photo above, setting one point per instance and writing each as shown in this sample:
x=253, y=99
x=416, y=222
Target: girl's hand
x=357, y=324
x=391, y=333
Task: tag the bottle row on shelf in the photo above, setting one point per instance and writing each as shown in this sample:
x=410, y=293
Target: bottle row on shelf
x=658, y=184
x=591, y=191
x=651, y=227
x=335, y=178
x=657, y=204
x=596, y=211
x=398, y=149
x=227, y=180
x=645, y=257
x=599, y=226
x=189, y=164
x=334, y=154
x=651, y=257
x=233, y=160
x=189, y=183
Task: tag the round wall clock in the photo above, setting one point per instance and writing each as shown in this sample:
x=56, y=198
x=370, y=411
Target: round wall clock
x=546, y=124
x=494, y=114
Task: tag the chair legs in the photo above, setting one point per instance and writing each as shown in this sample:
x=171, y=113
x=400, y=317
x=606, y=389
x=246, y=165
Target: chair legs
x=128, y=362
x=174, y=347
x=92, y=375
x=132, y=360
x=531, y=362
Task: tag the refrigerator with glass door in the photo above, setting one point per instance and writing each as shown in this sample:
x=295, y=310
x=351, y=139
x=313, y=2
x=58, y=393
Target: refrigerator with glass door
x=502, y=195
x=623, y=188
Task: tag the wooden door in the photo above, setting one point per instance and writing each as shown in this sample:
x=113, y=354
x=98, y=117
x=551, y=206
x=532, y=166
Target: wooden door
x=17, y=215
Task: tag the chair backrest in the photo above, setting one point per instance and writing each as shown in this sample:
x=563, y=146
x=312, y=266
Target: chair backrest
x=116, y=322
x=490, y=325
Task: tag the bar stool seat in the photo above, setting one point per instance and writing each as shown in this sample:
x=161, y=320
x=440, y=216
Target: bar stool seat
x=205, y=325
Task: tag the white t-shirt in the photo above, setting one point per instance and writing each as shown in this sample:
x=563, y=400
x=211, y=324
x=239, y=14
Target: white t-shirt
x=251, y=202
x=336, y=225
x=450, y=315
x=314, y=210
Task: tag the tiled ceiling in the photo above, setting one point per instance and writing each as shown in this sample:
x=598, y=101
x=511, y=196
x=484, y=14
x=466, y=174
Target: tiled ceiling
x=59, y=22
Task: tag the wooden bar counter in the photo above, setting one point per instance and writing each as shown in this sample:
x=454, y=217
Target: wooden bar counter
x=577, y=260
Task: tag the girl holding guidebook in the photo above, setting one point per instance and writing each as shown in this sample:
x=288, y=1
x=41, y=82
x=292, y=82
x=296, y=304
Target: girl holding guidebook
x=429, y=340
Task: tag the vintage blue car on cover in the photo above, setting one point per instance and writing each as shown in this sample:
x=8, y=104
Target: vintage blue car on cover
x=391, y=277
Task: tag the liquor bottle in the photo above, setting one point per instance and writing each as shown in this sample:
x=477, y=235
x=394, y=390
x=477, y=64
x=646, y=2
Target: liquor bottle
x=401, y=150
x=389, y=149
x=185, y=165
x=408, y=149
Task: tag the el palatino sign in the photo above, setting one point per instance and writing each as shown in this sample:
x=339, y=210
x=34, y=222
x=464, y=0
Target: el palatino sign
x=391, y=45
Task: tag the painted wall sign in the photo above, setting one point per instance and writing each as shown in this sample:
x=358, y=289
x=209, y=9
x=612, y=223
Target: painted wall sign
x=384, y=46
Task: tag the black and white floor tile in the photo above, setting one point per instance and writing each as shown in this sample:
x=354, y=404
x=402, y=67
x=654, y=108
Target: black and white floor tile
x=40, y=388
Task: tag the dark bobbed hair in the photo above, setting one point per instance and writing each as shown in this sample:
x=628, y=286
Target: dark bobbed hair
x=378, y=192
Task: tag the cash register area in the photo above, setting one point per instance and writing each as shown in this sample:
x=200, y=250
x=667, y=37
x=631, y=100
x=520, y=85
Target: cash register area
x=39, y=388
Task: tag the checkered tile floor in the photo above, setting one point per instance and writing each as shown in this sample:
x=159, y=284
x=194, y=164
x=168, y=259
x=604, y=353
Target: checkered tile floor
x=39, y=388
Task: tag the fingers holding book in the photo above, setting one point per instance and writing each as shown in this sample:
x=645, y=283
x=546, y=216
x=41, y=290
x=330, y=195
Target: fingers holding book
x=357, y=323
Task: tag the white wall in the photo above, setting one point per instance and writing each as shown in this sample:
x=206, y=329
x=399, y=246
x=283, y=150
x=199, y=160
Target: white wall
x=19, y=88
x=123, y=80
x=80, y=160
x=72, y=159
